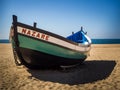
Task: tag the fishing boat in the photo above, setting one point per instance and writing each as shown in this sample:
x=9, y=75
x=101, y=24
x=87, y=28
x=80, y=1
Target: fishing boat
x=34, y=47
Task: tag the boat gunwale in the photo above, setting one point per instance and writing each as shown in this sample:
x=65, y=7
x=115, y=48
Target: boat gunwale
x=45, y=32
x=54, y=44
x=16, y=24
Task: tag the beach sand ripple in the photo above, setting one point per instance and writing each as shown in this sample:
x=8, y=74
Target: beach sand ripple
x=101, y=71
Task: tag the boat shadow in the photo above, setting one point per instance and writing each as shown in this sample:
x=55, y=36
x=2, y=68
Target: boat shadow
x=90, y=71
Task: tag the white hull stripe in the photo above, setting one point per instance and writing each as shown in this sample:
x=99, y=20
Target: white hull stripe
x=50, y=39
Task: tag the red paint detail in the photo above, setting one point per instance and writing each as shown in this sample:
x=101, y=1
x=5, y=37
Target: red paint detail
x=38, y=35
x=46, y=37
x=42, y=36
x=33, y=34
x=23, y=31
x=28, y=33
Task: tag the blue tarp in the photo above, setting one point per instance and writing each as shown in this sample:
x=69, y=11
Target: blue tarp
x=78, y=37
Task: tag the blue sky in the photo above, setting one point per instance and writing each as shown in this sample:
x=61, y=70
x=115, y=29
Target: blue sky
x=100, y=18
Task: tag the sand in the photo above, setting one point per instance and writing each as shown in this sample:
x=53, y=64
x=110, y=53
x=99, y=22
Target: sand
x=100, y=71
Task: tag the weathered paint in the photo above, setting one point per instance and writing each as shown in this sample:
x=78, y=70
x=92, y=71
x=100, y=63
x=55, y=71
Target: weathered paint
x=51, y=39
x=48, y=48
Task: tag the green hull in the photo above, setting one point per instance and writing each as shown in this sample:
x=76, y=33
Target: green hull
x=37, y=47
x=48, y=48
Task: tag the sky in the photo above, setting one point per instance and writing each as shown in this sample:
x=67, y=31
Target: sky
x=99, y=18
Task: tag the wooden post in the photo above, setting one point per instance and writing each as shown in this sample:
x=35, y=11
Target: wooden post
x=14, y=18
x=35, y=24
x=81, y=28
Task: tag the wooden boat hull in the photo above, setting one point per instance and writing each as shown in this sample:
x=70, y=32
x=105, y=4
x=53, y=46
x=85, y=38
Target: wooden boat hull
x=39, y=53
x=36, y=47
x=34, y=58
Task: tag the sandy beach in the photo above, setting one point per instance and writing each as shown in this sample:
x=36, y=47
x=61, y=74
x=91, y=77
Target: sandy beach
x=100, y=71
